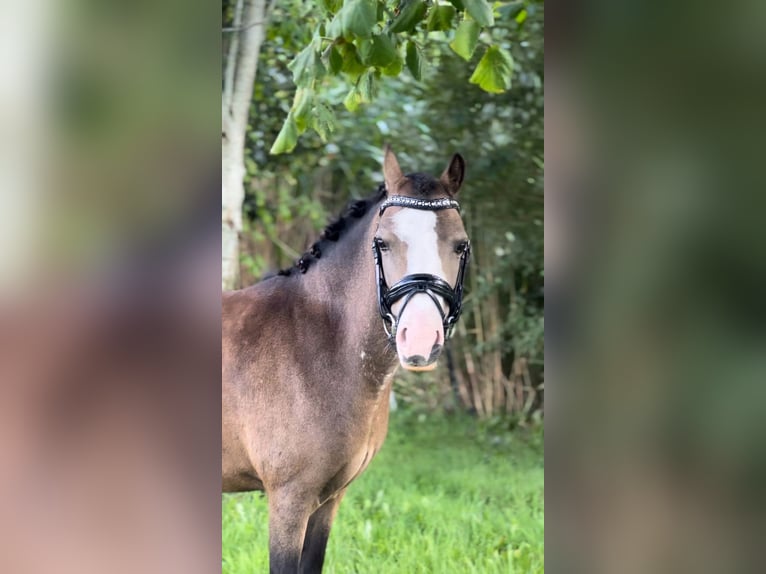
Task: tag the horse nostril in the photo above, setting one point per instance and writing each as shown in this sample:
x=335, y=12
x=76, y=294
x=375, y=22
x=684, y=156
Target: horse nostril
x=438, y=338
x=404, y=334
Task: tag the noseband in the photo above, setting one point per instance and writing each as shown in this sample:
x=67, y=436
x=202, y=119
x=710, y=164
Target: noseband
x=411, y=285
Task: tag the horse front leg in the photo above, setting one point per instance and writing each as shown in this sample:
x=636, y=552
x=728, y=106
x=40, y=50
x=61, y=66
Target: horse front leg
x=288, y=517
x=317, y=534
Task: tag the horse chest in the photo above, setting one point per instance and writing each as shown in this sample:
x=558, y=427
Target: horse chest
x=360, y=448
x=357, y=463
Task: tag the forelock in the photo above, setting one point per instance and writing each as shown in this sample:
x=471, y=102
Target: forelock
x=424, y=185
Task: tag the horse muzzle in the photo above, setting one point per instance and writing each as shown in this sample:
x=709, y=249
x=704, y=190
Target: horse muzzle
x=421, y=363
x=419, y=334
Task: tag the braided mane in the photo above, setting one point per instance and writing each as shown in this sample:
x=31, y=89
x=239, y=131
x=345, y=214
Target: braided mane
x=423, y=185
x=354, y=211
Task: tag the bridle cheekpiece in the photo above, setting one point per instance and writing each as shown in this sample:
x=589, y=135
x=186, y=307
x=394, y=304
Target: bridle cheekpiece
x=411, y=285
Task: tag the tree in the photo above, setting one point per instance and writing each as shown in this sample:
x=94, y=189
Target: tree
x=366, y=41
x=361, y=41
x=248, y=30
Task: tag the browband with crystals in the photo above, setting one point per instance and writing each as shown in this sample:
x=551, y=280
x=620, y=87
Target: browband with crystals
x=426, y=204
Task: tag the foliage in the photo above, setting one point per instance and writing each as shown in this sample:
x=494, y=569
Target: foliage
x=446, y=494
x=498, y=351
x=361, y=42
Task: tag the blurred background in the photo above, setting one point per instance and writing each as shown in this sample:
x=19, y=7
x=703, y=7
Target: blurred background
x=109, y=287
x=655, y=264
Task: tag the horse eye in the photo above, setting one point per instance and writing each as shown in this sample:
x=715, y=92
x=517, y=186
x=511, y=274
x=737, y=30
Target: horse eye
x=382, y=245
x=461, y=246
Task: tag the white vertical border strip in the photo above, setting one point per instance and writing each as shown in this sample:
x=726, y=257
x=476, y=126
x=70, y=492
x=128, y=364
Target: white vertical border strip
x=25, y=36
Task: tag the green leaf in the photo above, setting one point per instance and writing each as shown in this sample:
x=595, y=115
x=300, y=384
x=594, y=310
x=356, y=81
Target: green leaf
x=395, y=67
x=301, y=110
x=377, y=51
x=332, y=6
x=367, y=86
x=481, y=11
x=358, y=17
x=363, y=49
x=335, y=27
x=352, y=65
x=493, y=74
x=458, y=4
x=334, y=61
x=440, y=18
x=411, y=13
x=466, y=37
x=414, y=60
x=323, y=121
x=353, y=99
x=287, y=138
x=307, y=65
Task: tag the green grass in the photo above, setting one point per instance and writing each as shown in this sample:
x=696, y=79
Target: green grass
x=445, y=495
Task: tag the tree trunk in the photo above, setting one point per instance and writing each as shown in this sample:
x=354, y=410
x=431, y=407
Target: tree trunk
x=239, y=76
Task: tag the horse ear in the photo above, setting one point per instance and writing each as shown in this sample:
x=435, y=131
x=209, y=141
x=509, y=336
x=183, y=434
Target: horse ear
x=452, y=177
x=392, y=173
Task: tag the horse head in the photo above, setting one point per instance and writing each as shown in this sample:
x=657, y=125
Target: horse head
x=421, y=250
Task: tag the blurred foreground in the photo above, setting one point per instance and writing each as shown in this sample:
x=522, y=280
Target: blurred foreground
x=656, y=267
x=109, y=288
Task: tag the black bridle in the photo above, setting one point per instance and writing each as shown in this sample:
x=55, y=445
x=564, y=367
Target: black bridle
x=411, y=285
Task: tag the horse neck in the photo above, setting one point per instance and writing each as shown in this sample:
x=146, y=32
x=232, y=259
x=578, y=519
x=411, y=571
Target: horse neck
x=343, y=280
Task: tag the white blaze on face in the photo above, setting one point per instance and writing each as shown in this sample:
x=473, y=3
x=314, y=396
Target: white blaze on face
x=417, y=229
x=419, y=327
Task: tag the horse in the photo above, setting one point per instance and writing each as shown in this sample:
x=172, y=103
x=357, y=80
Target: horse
x=309, y=354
